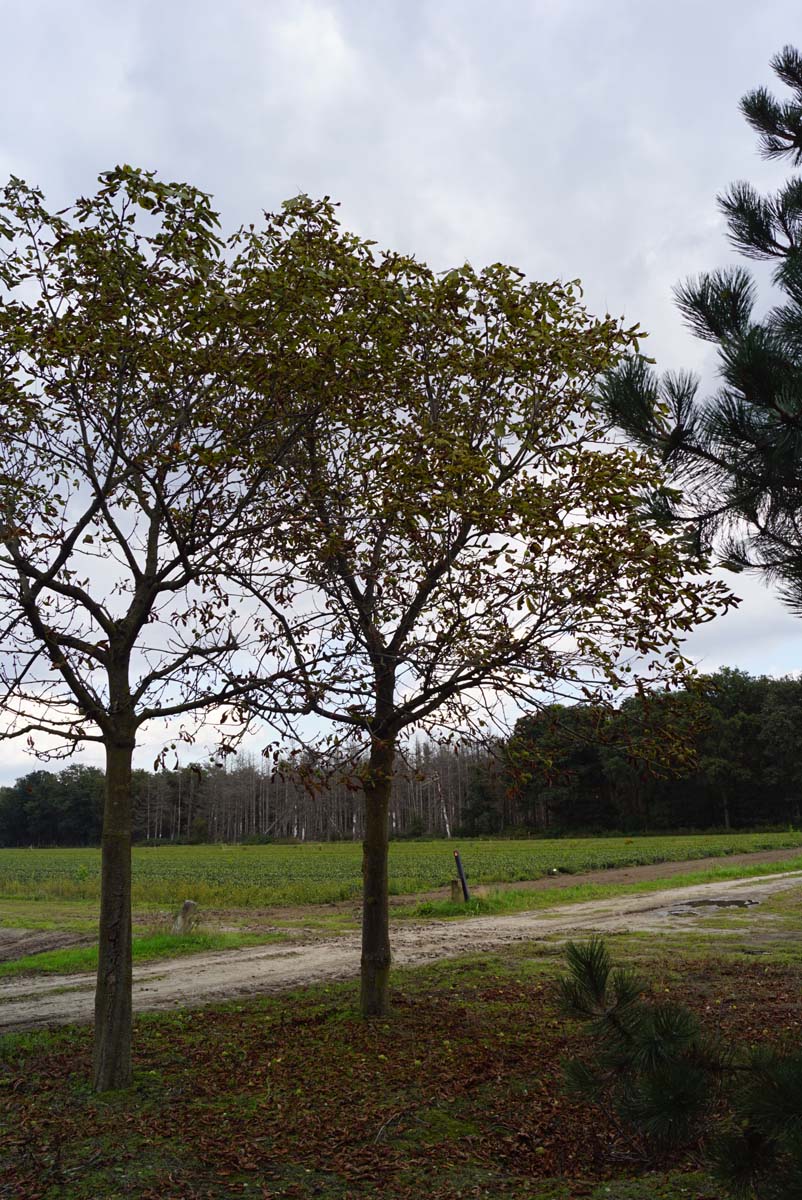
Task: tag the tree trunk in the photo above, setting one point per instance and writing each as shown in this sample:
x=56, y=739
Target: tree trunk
x=112, y=1053
x=375, y=914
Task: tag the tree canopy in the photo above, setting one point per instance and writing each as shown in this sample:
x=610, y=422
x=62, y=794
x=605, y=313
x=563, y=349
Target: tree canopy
x=462, y=532
x=133, y=349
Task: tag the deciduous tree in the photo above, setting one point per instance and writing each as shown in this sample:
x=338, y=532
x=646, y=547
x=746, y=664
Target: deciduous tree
x=130, y=352
x=468, y=537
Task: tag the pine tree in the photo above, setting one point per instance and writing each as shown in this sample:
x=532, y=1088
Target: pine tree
x=665, y=1084
x=737, y=455
x=653, y=1071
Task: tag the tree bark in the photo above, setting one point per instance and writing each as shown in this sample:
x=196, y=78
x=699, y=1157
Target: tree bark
x=375, y=964
x=112, y=1051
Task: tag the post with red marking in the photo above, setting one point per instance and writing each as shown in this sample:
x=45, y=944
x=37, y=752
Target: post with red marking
x=462, y=878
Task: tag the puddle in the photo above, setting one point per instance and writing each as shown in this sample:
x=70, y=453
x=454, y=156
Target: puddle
x=690, y=906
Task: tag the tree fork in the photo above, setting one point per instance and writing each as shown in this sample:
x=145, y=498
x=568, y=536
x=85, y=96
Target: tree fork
x=113, y=1017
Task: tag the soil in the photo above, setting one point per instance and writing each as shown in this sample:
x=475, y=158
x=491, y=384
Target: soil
x=27, y=1002
x=18, y=943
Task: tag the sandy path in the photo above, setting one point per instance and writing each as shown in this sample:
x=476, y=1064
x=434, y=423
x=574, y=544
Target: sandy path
x=224, y=975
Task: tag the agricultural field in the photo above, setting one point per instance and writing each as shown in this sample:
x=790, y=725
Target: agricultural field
x=250, y=876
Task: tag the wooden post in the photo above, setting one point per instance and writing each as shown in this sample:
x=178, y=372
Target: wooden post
x=466, y=894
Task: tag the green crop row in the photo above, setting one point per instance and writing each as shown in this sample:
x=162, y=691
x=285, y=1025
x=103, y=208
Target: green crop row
x=319, y=873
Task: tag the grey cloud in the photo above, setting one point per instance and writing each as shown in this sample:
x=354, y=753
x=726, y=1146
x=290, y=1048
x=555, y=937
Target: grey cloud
x=572, y=137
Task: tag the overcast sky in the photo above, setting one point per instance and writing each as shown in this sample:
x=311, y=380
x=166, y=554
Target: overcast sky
x=572, y=138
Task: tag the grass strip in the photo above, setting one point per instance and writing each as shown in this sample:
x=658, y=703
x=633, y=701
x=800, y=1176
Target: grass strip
x=77, y=959
x=499, y=901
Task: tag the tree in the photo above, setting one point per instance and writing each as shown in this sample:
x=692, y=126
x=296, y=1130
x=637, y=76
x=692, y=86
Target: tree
x=587, y=766
x=27, y=810
x=738, y=454
x=555, y=766
x=483, y=811
x=728, y=747
x=665, y=1084
x=131, y=355
x=778, y=736
x=464, y=534
x=53, y=810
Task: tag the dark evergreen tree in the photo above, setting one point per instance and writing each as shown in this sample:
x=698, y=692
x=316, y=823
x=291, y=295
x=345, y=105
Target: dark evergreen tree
x=737, y=455
x=779, y=741
x=483, y=813
x=555, y=766
x=724, y=752
x=47, y=809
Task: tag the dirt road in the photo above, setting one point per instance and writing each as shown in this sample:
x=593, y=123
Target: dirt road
x=201, y=979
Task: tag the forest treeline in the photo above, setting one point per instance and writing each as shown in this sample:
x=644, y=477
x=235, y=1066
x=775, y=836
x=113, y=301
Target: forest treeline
x=725, y=753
